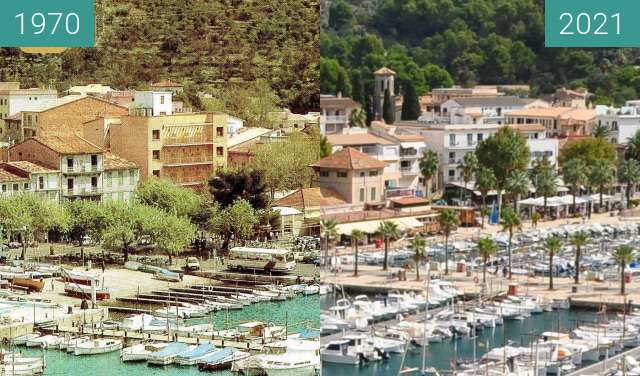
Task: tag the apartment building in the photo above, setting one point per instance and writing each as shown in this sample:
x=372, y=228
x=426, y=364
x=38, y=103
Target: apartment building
x=355, y=176
x=622, y=123
x=13, y=100
x=540, y=146
x=80, y=164
x=64, y=116
x=120, y=178
x=486, y=110
x=42, y=180
x=335, y=113
x=559, y=121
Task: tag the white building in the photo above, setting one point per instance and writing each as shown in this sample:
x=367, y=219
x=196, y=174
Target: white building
x=153, y=103
x=484, y=110
x=622, y=123
x=335, y=113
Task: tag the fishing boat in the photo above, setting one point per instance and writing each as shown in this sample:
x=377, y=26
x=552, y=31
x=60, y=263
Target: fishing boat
x=192, y=357
x=19, y=365
x=220, y=360
x=30, y=283
x=84, y=291
x=70, y=341
x=22, y=340
x=141, y=351
x=166, y=355
x=167, y=275
x=98, y=346
x=44, y=341
x=73, y=276
x=311, y=290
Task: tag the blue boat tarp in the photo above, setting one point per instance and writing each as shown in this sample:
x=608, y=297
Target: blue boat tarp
x=218, y=355
x=199, y=351
x=308, y=334
x=172, y=349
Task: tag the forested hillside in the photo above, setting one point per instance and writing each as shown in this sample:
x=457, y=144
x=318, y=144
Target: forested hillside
x=198, y=41
x=436, y=42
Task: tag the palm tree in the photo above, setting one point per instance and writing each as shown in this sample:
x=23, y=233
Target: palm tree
x=633, y=147
x=629, y=175
x=579, y=240
x=429, y=164
x=417, y=245
x=623, y=256
x=601, y=175
x=328, y=231
x=600, y=131
x=552, y=245
x=535, y=218
x=358, y=119
x=485, y=181
x=517, y=184
x=510, y=222
x=575, y=173
x=486, y=248
x=389, y=230
x=543, y=177
x=449, y=220
x=356, y=237
x=468, y=167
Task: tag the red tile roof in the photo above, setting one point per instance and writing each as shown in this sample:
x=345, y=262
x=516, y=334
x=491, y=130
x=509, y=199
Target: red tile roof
x=31, y=167
x=115, y=162
x=68, y=144
x=311, y=197
x=350, y=159
x=356, y=139
x=409, y=201
x=6, y=176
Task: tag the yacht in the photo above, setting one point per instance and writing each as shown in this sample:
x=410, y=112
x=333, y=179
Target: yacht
x=351, y=349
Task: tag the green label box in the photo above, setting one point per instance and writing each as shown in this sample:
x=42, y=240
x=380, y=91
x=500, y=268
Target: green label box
x=592, y=23
x=47, y=23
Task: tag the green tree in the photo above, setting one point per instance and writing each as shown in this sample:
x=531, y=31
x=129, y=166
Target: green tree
x=449, y=220
x=417, y=245
x=172, y=234
x=341, y=16
x=228, y=186
x=600, y=131
x=358, y=119
x=578, y=240
x=486, y=248
x=356, y=237
x=543, y=177
x=328, y=231
x=436, y=77
x=389, y=231
x=503, y=153
x=535, y=218
x=166, y=196
x=517, y=184
x=588, y=150
x=388, y=108
x=601, y=175
x=575, y=173
x=410, y=102
x=629, y=175
x=511, y=222
x=429, y=164
x=237, y=221
x=633, y=147
x=552, y=246
x=485, y=182
x=623, y=256
x=325, y=147
x=125, y=226
x=468, y=167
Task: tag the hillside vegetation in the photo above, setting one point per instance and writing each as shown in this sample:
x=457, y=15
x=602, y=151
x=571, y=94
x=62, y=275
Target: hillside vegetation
x=203, y=43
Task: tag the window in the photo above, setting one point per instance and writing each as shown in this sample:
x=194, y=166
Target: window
x=342, y=174
x=452, y=139
x=156, y=155
x=361, y=194
x=373, y=193
x=480, y=136
x=70, y=163
x=162, y=99
x=94, y=160
x=155, y=135
x=107, y=178
x=220, y=151
x=469, y=139
x=4, y=187
x=16, y=187
x=121, y=177
x=220, y=131
x=41, y=182
x=362, y=174
x=452, y=173
x=26, y=186
x=70, y=184
x=324, y=174
x=156, y=173
x=373, y=173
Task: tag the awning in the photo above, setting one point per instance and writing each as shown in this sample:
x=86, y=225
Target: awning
x=408, y=223
x=371, y=227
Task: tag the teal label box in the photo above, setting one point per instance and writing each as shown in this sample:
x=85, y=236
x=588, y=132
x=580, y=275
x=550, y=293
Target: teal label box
x=592, y=23
x=47, y=23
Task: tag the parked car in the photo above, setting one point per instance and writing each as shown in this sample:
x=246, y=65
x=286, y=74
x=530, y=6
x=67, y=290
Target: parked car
x=193, y=263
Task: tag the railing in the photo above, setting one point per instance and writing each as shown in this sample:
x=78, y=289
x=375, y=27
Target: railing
x=188, y=140
x=187, y=160
x=410, y=170
x=82, y=168
x=335, y=119
x=83, y=191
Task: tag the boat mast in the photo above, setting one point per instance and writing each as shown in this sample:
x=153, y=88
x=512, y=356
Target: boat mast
x=424, y=330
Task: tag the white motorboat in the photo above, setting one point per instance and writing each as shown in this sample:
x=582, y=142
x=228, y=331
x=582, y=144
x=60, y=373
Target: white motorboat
x=311, y=290
x=98, y=346
x=141, y=351
x=44, y=341
x=351, y=349
x=22, y=340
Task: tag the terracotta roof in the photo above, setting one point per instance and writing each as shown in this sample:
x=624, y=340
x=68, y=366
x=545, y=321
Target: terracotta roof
x=409, y=200
x=311, y=198
x=409, y=137
x=6, y=176
x=68, y=144
x=166, y=83
x=494, y=101
x=342, y=102
x=115, y=162
x=540, y=112
x=384, y=71
x=17, y=116
x=349, y=159
x=580, y=114
x=356, y=139
x=30, y=167
x=527, y=127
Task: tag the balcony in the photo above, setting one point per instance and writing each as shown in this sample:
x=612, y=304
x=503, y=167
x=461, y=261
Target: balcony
x=83, y=191
x=409, y=171
x=186, y=141
x=187, y=161
x=82, y=169
x=408, y=153
x=340, y=119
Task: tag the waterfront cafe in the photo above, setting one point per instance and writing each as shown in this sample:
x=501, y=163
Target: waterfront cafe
x=562, y=206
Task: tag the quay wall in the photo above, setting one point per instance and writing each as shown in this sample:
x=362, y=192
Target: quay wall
x=75, y=318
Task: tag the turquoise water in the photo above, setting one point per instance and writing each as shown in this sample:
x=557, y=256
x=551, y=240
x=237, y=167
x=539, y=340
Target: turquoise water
x=298, y=312
x=440, y=355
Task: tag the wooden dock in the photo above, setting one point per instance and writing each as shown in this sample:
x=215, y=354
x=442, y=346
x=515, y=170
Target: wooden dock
x=251, y=345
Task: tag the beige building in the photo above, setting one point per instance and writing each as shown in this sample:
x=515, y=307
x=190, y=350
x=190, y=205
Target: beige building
x=355, y=176
x=42, y=180
x=13, y=100
x=185, y=148
x=559, y=121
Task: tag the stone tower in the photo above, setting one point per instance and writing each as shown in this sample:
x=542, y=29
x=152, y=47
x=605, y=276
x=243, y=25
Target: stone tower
x=383, y=80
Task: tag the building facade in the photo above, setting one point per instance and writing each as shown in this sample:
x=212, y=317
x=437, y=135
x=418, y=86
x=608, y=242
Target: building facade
x=335, y=113
x=13, y=100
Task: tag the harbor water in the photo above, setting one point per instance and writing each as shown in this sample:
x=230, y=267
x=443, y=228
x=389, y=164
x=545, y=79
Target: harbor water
x=441, y=355
x=299, y=312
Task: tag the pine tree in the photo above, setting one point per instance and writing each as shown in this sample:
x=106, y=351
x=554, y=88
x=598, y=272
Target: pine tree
x=388, y=108
x=410, y=103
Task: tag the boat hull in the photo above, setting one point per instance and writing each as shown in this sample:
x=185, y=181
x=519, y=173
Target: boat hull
x=32, y=284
